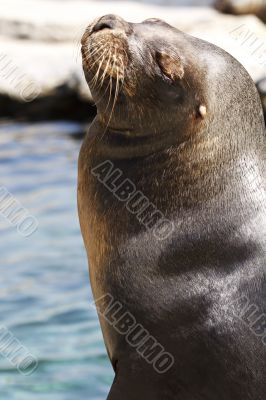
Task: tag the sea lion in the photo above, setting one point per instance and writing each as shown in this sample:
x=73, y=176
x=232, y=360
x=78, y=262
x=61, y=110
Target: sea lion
x=242, y=7
x=172, y=207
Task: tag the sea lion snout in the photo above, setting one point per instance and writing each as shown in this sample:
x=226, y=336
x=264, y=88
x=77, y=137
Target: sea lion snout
x=104, y=53
x=110, y=22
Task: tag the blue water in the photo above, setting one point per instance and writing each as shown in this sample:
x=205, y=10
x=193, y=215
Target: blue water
x=44, y=285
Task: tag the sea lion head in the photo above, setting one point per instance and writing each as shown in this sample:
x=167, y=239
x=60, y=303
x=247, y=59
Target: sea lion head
x=151, y=80
x=139, y=75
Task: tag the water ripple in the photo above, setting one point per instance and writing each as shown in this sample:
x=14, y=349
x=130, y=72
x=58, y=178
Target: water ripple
x=44, y=288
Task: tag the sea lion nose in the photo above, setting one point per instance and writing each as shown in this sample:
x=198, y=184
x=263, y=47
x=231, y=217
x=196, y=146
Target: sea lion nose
x=109, y=22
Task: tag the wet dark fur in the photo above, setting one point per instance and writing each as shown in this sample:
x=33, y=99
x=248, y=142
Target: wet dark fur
x=207, y=175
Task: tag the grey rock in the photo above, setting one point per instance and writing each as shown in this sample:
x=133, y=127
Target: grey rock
x=40, y=50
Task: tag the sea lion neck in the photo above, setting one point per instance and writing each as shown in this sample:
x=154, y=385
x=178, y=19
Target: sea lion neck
x=128, y=143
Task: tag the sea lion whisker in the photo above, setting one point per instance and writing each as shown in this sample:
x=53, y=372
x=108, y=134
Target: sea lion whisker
x=96, y=51
x=89, y=54
x=96, y=77
x=123, y=79
x=106, y=68
x=93, y=49
x=87, y=59
x=98, y=59
x=78, y=45
x=122, y=70
x=115, y=99
x=126, y=55
x=106, y=90
x=110, y=92
x=77, y=51
x=107, y=85
x=94, y=80
x=97, y=102
x=110, y=85
x=96, y=44
x=110, y=96
x=186, y=82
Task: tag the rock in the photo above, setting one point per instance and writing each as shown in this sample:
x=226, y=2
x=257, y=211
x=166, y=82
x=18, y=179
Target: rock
x=40, y=50
x=40, y=64
x=236, y=7
x=60, y=104
x=40, y=19
x=243, y=37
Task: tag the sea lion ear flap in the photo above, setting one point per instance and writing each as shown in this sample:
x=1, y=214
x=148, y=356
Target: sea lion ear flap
x=170, y=66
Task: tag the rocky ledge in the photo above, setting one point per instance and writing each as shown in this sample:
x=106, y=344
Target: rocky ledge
x=40, y=65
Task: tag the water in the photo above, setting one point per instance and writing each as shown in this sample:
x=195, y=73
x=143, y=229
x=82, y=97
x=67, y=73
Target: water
x=44, y=287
